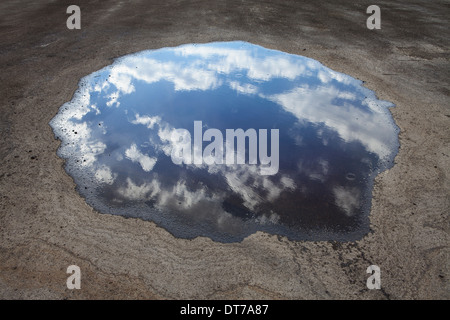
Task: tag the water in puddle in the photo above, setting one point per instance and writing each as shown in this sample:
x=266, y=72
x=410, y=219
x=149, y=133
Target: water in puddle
x=334, y=137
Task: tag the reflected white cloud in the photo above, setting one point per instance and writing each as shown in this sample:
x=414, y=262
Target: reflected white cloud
x=197, y=204
x=105, y=175
x=243, y=88
x=147, y=163
x=145, y=191
x=151, y=71
x=226, y=61
x=318, y=105
x=148, y=121
x=86, y=148
x=271, y=218
x=327, y=75
x=348, y=199
x=254, y=188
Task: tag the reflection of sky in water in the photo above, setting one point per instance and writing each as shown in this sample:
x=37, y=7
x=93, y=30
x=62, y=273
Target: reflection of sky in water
x=335, y=136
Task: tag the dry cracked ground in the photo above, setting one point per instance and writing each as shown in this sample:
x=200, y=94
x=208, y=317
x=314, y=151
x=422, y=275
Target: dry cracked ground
x=45, y=226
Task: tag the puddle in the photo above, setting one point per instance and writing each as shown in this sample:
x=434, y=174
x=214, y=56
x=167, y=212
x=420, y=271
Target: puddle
x=335, y=136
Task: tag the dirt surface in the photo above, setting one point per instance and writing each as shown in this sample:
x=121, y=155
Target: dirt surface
x=45, y=226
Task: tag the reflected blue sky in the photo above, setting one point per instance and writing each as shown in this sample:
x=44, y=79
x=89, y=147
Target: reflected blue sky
x=335, y=136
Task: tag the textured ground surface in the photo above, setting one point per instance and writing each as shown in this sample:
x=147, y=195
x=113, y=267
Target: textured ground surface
x=46, y=226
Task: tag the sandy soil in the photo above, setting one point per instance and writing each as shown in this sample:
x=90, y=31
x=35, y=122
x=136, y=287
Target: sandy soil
x=46, y=226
